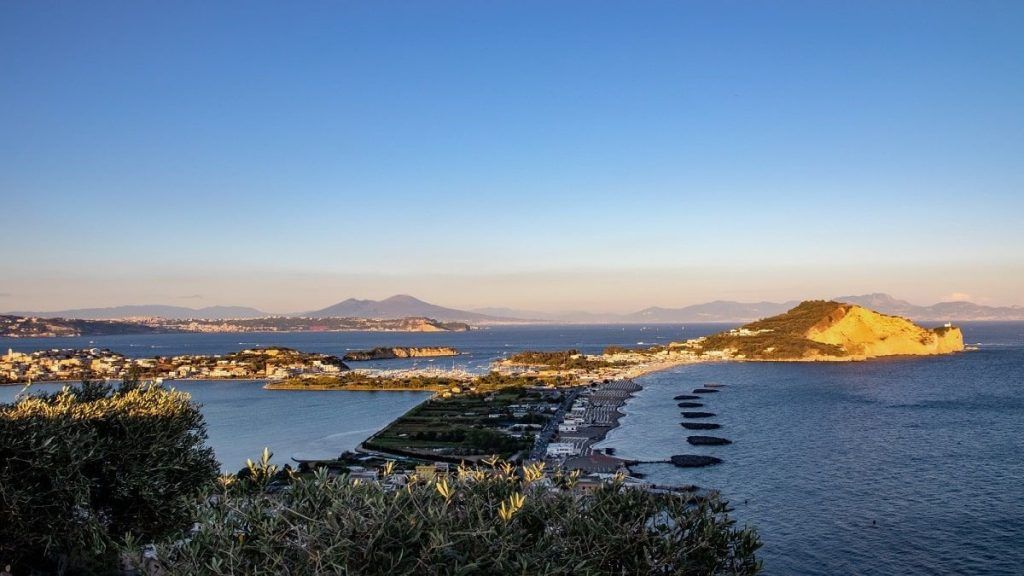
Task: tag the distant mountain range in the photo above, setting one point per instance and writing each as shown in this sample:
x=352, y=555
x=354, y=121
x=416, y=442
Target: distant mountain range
x=717, y=311
x=404, y=306
x=730, y=311
x=151, y=311
x=936, y=312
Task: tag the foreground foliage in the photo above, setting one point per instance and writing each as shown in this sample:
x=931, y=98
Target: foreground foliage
x=81, y=468
x=478, y=521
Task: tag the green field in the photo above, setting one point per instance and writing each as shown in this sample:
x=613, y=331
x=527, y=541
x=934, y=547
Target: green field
x=471, y=424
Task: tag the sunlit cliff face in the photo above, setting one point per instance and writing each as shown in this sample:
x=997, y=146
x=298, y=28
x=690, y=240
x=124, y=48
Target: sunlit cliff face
x=865, y=333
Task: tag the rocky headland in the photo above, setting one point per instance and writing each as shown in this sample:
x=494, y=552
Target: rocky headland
x=830, y=331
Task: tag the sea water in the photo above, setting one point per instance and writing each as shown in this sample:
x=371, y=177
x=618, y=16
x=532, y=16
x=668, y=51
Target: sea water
x=893, y=466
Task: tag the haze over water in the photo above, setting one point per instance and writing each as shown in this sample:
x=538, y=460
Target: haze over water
x=895, y=466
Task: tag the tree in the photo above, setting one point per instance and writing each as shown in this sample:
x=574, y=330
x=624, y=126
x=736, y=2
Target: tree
x=83, y=467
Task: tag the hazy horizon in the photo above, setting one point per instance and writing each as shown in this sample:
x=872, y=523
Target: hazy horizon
x=550, y=157
x=523, y=292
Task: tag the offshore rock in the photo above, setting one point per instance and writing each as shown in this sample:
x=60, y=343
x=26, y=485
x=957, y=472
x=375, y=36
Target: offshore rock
x=707, y=440
x=700, y=425
x=694, y=460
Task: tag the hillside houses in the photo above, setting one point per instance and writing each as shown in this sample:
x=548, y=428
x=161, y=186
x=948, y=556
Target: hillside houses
x=76, y=364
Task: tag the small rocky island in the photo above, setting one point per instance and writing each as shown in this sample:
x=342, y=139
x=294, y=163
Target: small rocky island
x=386, y=353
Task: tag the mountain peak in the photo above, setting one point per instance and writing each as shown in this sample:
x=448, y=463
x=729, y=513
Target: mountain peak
x=403, y=299
x=398, y=306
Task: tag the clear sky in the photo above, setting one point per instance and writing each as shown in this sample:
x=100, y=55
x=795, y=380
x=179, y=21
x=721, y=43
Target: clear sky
x=547, y=155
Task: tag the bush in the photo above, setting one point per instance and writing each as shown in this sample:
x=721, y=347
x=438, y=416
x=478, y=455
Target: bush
x=475, y=522
x=81, y=468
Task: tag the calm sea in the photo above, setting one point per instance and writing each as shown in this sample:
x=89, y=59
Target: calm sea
x=903, y=466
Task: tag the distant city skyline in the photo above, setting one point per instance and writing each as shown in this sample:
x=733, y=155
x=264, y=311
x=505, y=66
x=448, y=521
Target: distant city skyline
x=548, y=156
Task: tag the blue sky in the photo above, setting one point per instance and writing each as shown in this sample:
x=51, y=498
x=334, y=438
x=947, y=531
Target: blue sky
x=534, y=154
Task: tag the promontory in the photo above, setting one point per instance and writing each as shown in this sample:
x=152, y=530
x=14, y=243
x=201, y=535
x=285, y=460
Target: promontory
x=815, y=330
x=827, y=330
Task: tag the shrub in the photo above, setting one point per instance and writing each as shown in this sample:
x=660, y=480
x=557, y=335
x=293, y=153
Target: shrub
x=83, y=467
x=475, y=522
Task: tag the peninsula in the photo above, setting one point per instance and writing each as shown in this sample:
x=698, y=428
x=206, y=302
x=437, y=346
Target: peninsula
x=814, y=330
x=32, y=327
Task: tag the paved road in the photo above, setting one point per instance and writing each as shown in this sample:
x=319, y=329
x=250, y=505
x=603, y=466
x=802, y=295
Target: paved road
x=540, y=445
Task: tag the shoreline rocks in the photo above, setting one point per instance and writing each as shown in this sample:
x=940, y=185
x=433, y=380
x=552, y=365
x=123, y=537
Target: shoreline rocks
x=707, y=440
x=694, y=460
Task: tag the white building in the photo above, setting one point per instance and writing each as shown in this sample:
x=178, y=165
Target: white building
x=557, y=449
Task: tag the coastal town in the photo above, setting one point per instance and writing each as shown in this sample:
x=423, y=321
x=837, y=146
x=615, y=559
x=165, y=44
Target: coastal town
x=61, y=365
x=13, y=326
